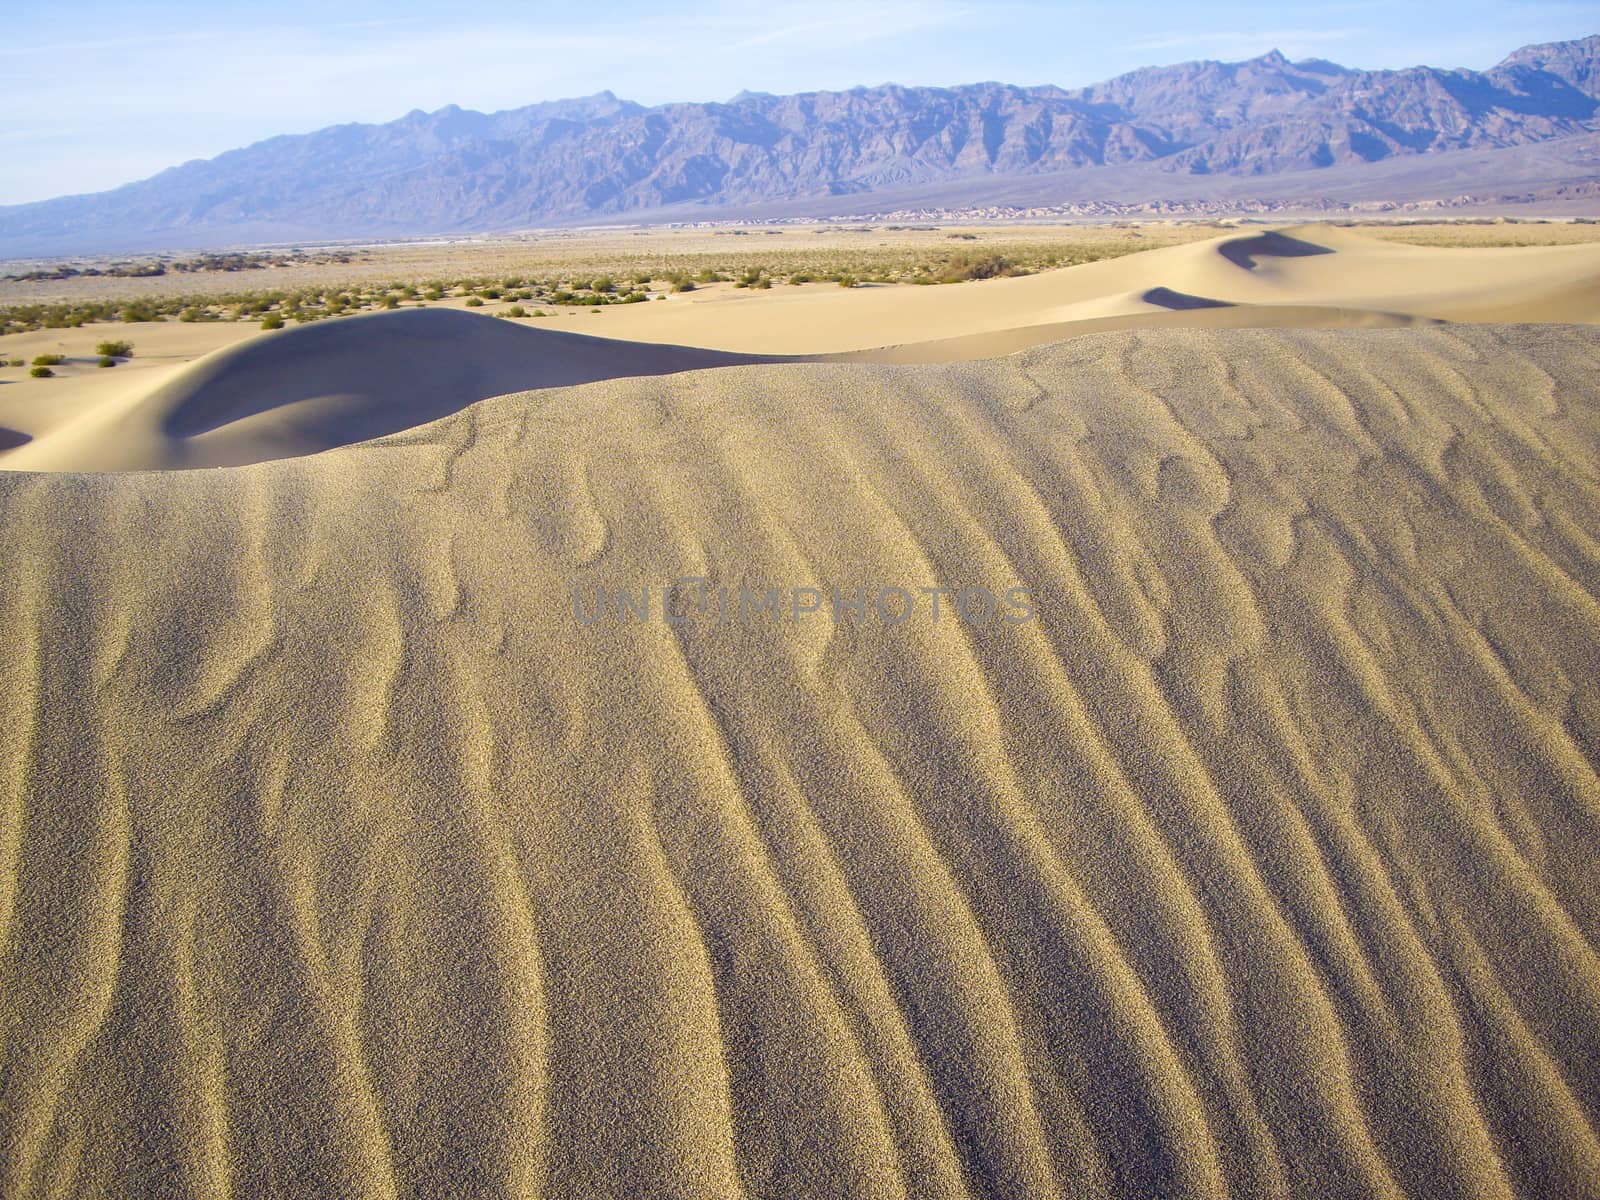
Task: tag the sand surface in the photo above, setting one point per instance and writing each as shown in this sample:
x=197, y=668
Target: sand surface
x=226, y=394
x=340, y=855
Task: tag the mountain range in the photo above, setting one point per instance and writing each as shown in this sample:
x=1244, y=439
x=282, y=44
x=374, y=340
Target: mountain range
x=572, y=161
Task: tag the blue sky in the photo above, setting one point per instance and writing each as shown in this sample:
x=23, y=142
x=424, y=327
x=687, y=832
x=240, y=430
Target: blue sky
x=124, y=89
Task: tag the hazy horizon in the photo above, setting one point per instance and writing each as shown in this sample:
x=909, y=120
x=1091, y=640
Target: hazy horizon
x=106, y=110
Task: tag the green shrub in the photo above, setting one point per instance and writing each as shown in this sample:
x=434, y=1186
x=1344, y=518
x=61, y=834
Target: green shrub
x=990, y=266
x=114, y=349
x=193, y=313
x=391, y=302
x=683, y=285
x=516, y=310
x=474, y=302
x=105, y=360
x=847, y=281
x=15, y=362
x=273, y=321
x=49, y=360
x=634, y=298
x=603, y=284
x=41, y=373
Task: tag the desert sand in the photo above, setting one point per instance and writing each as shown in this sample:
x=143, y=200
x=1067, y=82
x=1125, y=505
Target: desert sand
x=342, y=853
x=183, y=399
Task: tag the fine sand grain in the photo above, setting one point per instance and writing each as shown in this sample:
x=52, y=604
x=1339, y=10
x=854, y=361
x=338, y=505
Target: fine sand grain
x=343, y=856
x=338, y=857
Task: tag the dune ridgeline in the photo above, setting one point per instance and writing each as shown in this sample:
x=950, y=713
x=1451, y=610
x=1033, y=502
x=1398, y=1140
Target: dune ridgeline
x=576, y=795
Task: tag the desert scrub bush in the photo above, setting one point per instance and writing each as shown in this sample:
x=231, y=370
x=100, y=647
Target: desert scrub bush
x=273, y=321
x=49, y=360
x=15, y=362
x=990, y=266
x=105, y=360
x=603, y=284
x=394, y=302
x=847, y=281
x=683, y=285
x=194, y=313
x=516, y=310
x=634, y=297
x=42, y=373
x=114, y=349
x=474, y=301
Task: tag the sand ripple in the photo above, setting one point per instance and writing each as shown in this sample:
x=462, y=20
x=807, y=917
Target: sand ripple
x=336, y=858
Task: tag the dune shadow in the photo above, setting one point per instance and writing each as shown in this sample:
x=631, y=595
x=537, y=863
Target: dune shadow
x=1243, y=252
x=351, y=380
x=10, y=439
x=1181, y=301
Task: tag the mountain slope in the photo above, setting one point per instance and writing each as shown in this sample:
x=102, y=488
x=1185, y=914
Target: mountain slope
x=566, y=160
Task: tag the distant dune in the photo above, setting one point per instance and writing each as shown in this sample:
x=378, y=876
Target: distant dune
x=331, y=384
x=311, y=388
x=354, y=840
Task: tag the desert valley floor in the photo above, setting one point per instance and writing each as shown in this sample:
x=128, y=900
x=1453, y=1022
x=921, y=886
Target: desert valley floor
x=346, y=849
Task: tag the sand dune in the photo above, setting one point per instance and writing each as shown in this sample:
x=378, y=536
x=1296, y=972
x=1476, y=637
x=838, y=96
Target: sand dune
x=338, y=857
x=331, y=384
x=1312, y=276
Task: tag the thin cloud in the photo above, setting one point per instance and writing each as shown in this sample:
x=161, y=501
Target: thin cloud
x=1282, y=37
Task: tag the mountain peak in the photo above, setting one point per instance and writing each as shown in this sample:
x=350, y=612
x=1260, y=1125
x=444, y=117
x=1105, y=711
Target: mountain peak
x=569, y=160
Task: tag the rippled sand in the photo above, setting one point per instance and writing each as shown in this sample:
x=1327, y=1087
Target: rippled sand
x=338, y=858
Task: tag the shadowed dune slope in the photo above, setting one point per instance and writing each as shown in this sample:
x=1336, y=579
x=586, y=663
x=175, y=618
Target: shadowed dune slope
x=1310, y=276
x=333, y=383
x=338, y=858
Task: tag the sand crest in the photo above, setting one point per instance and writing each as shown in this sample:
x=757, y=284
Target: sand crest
x=314, y=387
x=330, y=384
